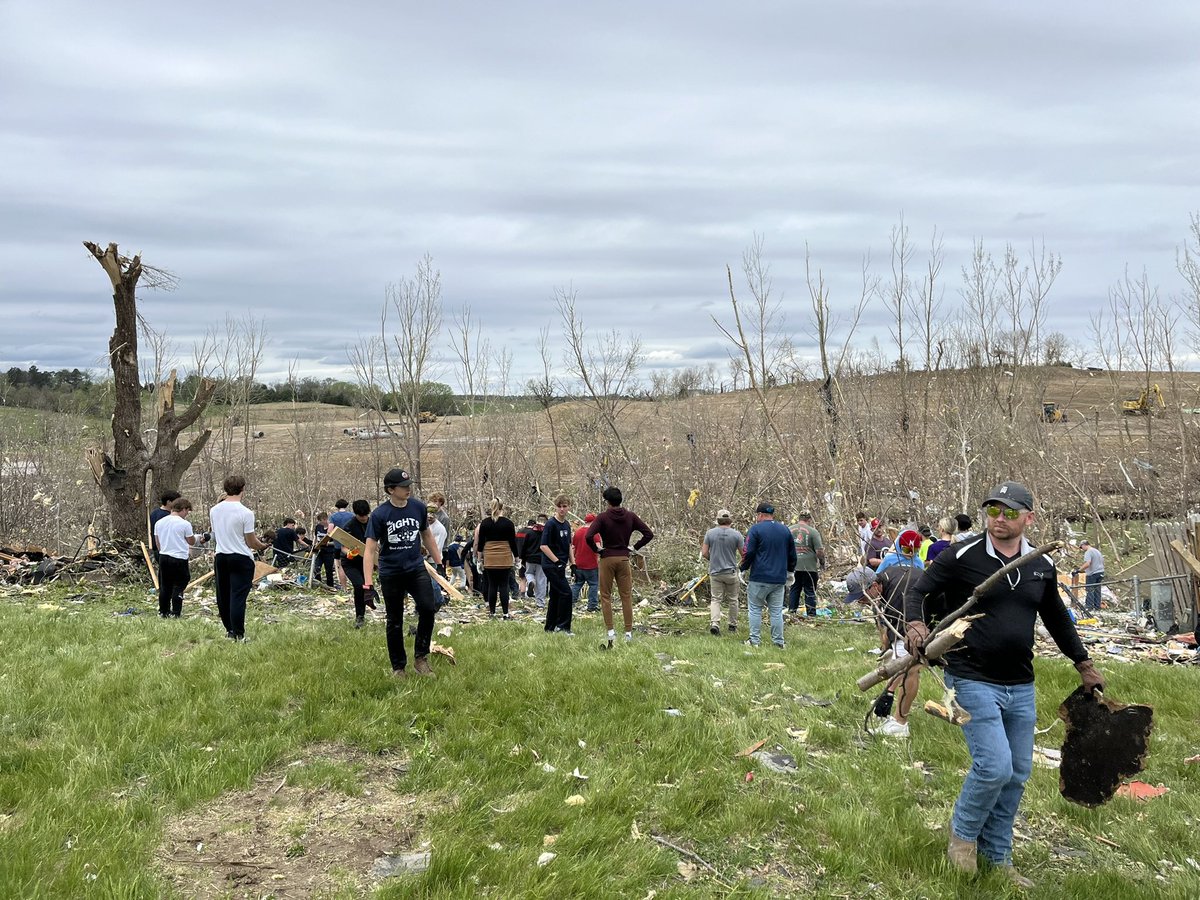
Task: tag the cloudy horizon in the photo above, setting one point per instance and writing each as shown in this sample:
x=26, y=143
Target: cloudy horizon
x=290, y=166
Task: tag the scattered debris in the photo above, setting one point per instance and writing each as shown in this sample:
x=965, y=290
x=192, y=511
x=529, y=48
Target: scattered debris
x=575, y=800
x=1047, y=757
x=545, y=858
x=1139, y=790
x=389, y=866
x=1105, y=742
x=579, y=775
x=672, y=711
x=749, y=751
x=777, y=762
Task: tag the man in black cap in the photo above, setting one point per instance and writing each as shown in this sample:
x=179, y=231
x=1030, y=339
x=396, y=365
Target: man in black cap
x=396, y=532
x=991, y=671
x=770, y=560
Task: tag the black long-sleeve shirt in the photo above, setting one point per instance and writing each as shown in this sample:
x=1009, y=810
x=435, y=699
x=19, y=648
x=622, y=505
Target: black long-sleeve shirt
x=997, y=648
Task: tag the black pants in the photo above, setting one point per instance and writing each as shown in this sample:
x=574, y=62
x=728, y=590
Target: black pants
x=495, y=584
x=235, y=575
x=354, y=575
x=395, y=587
x=806, y=582
x=173, y=578
x=558, y=599
x=325, y=564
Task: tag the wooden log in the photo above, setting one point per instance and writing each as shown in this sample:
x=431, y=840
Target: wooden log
x=935, y=648
x=149, y=564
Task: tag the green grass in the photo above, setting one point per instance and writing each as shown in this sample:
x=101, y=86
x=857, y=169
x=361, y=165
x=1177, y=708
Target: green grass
x=111, y=727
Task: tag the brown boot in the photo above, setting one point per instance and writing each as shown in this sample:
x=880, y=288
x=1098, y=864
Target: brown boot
x=962, y=854
x=1016, y=877
x=422, y=667
x=399, y=673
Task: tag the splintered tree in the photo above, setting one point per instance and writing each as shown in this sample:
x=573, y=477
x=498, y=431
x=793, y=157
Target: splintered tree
x=122, y=475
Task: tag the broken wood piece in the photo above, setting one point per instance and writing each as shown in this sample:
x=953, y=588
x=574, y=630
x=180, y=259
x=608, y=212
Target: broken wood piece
x=937, y=646
x=455, y=593
x=1139, y=790
x=955, y=714
x=346, y=539
x=1106, y=742
x=752, y=748
x=262, y=570
x=149, y=564
x=447, y=652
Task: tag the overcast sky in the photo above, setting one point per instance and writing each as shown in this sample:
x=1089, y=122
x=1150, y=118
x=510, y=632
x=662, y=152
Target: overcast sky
x=291, y=160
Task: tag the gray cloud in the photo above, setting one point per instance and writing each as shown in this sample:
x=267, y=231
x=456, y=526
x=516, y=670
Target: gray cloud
x=291, y=166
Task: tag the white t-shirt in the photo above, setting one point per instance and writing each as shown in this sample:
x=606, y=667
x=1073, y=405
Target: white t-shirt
x=439, y=533
x=231, y=522
x=172, y=533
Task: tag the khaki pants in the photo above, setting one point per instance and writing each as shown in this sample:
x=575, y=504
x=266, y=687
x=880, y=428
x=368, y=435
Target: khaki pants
x=724, y=590
x=618, y=568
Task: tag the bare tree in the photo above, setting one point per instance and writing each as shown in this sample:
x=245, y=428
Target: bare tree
x=122, y=476
x=545, y=390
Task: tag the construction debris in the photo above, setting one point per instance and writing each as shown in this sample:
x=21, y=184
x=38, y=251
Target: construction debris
x=1105, y=743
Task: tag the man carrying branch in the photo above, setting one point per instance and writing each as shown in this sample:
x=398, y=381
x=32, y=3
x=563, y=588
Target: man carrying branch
x=991, y=671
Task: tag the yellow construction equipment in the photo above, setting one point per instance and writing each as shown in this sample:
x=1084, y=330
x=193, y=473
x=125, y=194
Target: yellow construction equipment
x=1143, y=405
x=1052, y=412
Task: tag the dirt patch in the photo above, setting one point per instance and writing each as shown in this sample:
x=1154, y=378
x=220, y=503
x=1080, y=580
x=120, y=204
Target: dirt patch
x=313, y=827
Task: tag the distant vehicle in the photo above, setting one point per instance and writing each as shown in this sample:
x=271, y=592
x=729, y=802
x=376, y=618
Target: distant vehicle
x=1052, y=412
x=1144, y=403
x=369, y=434
x=426, y=417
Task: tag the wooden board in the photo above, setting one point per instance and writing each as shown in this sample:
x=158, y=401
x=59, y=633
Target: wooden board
x=346, y=539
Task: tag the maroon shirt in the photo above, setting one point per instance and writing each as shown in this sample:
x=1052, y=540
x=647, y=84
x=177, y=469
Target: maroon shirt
x=614, y=526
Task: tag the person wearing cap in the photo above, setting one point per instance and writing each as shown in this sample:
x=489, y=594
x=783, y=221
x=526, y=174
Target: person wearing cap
x=905, y=553
x=1093, y=571
x=770, y=560
x=586, y=566
x=893, y=583
x=810, y=559
x=991, y=670
x=396, y=532
x=878, y=544
x=614, y=527
x=722, y=547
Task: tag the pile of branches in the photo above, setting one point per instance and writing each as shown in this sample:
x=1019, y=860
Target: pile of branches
x=103, y=562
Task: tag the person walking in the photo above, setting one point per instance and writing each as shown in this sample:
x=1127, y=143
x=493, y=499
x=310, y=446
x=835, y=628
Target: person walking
x=556, y=553
x=531, y=554
x=810, y=559
x=722, y=547
x=991, y=670
x=496, y=550
x=352, y=560
x=587, y=566
x=340, y=518
x=614, y=527
x=174, y=536
x=1093, y=571
x=328, y=554
x=769, y=558
x=232, y=527
x=396, y=532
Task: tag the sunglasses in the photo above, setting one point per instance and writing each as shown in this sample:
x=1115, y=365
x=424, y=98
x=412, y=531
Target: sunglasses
x=994, y=512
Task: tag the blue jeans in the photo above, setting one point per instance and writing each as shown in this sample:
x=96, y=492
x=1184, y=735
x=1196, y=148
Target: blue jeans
x=1000, y=738
x=758, y=595
x=590, y=577
x=1093, y=590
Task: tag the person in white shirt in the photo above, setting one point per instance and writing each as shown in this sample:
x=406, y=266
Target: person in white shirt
x=174, y=536
x=233, y=529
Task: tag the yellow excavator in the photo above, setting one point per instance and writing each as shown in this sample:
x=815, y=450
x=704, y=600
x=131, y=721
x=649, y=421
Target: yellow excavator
x=1145, y=403
x=1052, y=412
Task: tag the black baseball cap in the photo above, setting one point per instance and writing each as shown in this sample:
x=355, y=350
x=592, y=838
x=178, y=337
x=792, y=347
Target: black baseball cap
x=397, y=478
x=766, y=508
x=1012, y=494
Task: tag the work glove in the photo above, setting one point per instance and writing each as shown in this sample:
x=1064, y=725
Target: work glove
x=791, y=579
x=915, y=637
x=370, y=596
x=1092, y=680
x=574, y=571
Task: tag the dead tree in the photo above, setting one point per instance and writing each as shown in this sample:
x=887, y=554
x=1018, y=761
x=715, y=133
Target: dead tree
x=122, y=476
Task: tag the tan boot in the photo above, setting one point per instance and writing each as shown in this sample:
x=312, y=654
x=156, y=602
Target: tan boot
x=1016, y=877
x=399, y=673
x=422, y=667
x=962, y=854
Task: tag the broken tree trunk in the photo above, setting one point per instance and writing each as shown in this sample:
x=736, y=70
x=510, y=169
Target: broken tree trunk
x=946, y=635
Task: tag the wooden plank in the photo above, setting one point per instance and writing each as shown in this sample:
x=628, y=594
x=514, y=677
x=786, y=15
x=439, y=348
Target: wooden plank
x=1186, y=555
x=346, y=539
x=149, y=564
x=455, y=593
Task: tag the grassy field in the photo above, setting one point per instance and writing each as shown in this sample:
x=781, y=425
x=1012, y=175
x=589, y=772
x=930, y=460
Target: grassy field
x=147, y=758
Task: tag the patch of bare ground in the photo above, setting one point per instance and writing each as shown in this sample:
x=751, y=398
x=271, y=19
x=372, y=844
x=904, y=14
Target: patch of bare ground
x=314, y=827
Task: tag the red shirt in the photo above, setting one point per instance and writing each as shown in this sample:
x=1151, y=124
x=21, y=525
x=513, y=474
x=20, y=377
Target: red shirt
x=584, y=557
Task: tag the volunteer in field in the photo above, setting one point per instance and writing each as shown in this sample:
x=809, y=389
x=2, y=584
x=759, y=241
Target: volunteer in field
x=586, y=566
x=396, y=532
x=770, y=561
x=232, y=527
x=352, y=560
x=556, y=553
x=340, y=518
x=722, y=547
x=164, y=510
x=991, y=671
x=174, y=536
x=495, y=546
x=1092, y=569
x=810, y=559
x=613, y=528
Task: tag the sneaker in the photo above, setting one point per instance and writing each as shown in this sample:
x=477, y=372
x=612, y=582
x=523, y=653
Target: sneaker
x=628, y=636
x=422, y=667
x=358, y=622
x=714, y=629
x=749, y=643
x=893, y=729
x=781, y=646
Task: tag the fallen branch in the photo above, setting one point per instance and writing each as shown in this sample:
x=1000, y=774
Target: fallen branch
x=685, y=852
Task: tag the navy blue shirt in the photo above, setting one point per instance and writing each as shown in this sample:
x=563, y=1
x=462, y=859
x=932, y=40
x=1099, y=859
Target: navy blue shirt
x=770, y=553
x=398, y=530
x=454, y=555
x=557, y=536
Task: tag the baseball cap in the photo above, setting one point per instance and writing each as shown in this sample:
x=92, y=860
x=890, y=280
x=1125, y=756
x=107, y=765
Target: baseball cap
x=590, y=517
x=1012, y=494
x=857, y=583
x=724, y=515
x=804, y=514
x=909, y=539
x=397, y=478
x=875, y=523
x=766, y=508
x=1085, y=543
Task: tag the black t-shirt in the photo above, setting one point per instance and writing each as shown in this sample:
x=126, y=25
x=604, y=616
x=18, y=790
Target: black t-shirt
x=359, y=530
x=557, y=536
x=155, y=515
x=285, y=539
x=998, y=648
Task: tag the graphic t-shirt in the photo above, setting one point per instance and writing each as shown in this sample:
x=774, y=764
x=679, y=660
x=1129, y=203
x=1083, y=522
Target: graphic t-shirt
x=808, y=542
x=398, y=530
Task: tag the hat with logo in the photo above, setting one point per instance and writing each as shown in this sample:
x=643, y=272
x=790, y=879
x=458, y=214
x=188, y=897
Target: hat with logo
x=909, y=540
x=1012, y=494
x=397, y=478
x=857, y=583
